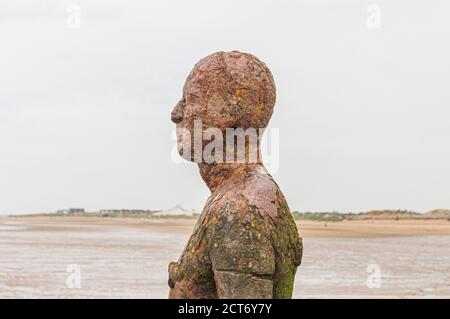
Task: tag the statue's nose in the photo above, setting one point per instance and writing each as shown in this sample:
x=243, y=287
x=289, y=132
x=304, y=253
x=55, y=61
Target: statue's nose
x=177, y=113
x=176, y=116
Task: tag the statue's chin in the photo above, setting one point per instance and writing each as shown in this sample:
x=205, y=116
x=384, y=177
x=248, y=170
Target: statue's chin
x=186, y=157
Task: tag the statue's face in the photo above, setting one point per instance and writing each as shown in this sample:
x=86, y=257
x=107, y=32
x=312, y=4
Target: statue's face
x=224, y=90
x=188, y=113
x=203, y=105
x=182, y=116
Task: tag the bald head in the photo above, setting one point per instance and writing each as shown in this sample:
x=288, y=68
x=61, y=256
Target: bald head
x=227, y=89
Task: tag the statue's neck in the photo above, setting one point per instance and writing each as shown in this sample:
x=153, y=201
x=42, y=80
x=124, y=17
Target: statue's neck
x=217, y=175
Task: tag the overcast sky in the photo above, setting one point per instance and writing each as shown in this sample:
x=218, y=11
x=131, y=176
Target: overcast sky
x=363, y=109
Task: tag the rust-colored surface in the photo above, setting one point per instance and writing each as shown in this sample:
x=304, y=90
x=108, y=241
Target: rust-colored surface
x=245, y=243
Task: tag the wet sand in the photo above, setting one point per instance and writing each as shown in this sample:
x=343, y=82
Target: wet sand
x=127, y=257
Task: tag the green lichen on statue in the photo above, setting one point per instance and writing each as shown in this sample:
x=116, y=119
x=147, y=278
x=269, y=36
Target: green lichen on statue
x=239, y=241
x=289, y=252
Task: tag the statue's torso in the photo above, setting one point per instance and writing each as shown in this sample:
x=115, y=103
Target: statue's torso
x=246, y=227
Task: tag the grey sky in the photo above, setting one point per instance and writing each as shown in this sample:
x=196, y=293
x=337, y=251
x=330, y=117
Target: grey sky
x=364, y=114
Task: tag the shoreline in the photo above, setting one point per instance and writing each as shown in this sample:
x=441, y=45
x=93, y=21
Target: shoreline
x=366, y=228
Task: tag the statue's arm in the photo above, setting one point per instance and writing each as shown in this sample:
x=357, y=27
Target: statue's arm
x=232, y=284
x=242, y=257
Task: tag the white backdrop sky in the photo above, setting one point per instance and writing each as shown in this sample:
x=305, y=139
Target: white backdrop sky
x=363, y=114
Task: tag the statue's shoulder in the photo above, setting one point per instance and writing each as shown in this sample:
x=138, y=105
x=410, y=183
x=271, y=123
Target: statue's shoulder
x=256, y=194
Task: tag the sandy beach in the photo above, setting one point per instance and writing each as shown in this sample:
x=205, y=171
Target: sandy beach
x=128, y=257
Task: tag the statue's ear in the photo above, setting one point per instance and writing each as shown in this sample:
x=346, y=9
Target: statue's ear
x=235, y=108
x=221, y=110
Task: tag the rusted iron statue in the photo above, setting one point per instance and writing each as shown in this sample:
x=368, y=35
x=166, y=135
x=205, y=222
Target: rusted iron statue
x=245, y=243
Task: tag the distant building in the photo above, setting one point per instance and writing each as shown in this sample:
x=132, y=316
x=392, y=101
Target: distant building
x=124, y=212
x=177, y=211
x=70, y=211
x=76, y=210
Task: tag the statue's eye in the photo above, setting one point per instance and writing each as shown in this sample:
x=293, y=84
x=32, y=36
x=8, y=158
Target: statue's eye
x=193, y=98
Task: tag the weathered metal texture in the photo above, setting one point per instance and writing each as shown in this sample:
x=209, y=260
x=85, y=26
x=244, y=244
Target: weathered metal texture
x=245, y=243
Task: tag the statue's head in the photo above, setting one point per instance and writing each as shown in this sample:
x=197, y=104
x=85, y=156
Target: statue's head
x=225, y=90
